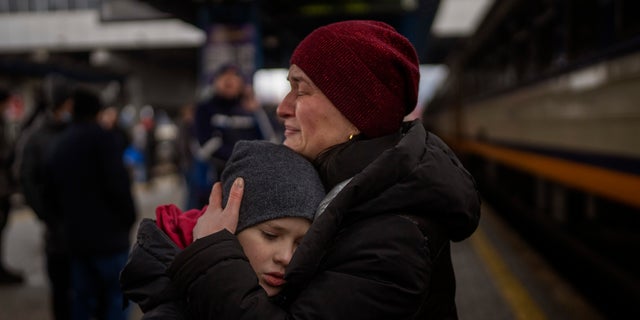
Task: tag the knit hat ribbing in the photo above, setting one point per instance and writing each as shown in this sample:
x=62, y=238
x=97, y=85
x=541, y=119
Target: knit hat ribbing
x=368, y=70
x=278, y=183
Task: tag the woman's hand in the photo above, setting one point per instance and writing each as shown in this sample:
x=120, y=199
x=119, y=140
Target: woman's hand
x=215, y=218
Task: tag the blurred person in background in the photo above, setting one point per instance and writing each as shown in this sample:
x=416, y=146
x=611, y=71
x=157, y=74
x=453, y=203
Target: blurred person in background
x=265, y=123
x=89, y=188
x=222, y=120
x=34, y=121
x=37, y=148
x=186, y=145
x=148, y=123
x=135, y=153
x=108, y=119
x=7, y=186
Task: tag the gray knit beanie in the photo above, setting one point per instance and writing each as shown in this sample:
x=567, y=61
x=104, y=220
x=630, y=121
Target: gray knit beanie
x=278, y=183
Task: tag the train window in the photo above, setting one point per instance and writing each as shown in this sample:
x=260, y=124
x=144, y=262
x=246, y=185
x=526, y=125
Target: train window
x=591, y=27
x=536, y=40
x=627, y=21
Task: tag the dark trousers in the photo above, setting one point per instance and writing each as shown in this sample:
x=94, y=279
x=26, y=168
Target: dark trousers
x=5, y=206
x=59, y=272
x=96, y=287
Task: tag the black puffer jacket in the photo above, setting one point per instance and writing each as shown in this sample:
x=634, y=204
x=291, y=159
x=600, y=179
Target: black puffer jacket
x=144, y=280
x=86, y=181
x=379, y=250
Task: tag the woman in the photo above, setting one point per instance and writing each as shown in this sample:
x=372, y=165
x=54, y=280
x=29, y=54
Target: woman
x=379, y=246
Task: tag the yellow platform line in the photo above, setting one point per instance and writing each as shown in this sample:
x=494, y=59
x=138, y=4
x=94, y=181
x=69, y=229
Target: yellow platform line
x=512, y=290
x=617, y=186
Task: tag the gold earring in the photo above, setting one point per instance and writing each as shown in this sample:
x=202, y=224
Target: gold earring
x=351, y=136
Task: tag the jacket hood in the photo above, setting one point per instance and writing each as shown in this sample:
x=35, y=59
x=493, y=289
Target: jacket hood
x=418, y=176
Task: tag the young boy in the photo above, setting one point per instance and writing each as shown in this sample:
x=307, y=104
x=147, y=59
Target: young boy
x=279, y=203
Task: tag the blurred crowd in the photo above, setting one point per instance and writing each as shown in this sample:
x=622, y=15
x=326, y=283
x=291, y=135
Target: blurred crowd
x=74, y=155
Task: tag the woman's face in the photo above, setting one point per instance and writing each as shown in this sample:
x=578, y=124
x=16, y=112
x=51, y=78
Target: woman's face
x=311, y=122
x=269, y=247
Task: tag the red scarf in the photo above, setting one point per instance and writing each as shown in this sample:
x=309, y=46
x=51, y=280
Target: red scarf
x=176, y=224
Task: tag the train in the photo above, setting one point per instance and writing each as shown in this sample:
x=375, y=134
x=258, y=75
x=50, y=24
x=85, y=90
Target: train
x=542, y=103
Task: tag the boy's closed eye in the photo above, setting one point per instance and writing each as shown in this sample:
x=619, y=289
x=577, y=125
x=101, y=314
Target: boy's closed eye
x=269, y=235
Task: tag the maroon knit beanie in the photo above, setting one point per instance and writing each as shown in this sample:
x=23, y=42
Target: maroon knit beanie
x=366, y=68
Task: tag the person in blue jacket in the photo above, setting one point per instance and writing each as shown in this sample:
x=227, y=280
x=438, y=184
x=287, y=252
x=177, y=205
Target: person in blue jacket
x=223, y=119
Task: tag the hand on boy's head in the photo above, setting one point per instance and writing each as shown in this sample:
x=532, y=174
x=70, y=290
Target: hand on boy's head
x=215, y=217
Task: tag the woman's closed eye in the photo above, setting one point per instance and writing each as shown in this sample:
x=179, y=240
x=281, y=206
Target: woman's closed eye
x=302, y=91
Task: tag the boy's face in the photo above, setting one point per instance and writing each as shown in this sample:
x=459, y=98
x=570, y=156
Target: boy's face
x=269, y=247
